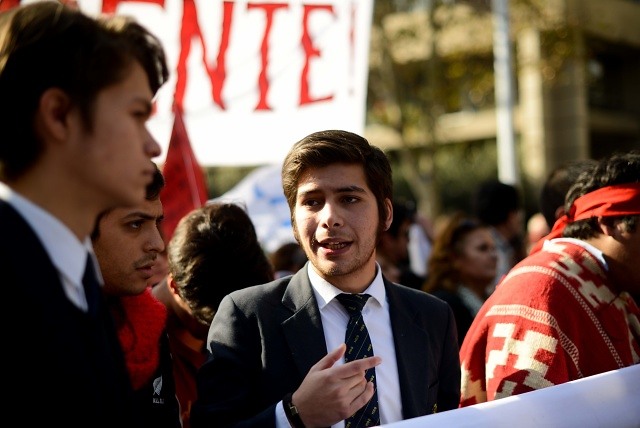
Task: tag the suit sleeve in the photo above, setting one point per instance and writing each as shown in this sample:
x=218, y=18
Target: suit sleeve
x=227, y=381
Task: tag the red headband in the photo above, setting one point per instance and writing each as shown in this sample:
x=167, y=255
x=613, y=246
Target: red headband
x=610, y=201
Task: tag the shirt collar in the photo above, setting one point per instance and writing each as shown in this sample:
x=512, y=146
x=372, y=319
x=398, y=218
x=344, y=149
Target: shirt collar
x=67, y=253
x=325, y=291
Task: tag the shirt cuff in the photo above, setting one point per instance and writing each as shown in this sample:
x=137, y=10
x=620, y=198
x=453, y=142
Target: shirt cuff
x=281, y=417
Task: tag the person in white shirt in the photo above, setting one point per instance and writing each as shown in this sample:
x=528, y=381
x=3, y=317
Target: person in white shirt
x=277, y=350
x=75, y=94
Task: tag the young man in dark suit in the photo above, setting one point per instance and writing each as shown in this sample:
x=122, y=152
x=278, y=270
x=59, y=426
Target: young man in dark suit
x=277, y=350
x=75, y=94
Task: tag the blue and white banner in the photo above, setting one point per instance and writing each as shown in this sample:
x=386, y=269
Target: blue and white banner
x=260, y=193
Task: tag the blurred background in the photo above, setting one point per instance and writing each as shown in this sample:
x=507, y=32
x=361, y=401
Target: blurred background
x=457, y=92
x=431, y=104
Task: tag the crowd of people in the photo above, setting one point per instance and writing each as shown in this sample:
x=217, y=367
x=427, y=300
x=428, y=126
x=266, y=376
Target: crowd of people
x=335, y=329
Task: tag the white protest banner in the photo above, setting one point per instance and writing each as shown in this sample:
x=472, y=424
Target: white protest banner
x=604, y=400
x=253, y=77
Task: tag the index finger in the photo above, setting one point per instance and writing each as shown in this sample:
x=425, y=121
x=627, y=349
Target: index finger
x=356, y=367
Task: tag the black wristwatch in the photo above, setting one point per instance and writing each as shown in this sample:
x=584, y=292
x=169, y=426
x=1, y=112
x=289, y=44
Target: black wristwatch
x=292, y=412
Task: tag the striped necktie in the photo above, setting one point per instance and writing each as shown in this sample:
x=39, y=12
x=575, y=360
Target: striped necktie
x=359, y=346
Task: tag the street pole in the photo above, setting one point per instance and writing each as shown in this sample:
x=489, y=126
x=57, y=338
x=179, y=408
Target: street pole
x=507, y=162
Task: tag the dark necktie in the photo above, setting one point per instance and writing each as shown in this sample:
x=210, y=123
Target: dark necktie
x=91, y=287
x=359, y=346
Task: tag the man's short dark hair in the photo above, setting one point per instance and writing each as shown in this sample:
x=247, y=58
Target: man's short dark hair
x=494, y=200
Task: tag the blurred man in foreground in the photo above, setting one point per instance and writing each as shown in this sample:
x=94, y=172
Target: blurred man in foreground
x=75, y=96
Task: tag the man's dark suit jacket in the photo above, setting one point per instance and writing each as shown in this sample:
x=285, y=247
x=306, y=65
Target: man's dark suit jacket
x=62, y=367
x=264, y=339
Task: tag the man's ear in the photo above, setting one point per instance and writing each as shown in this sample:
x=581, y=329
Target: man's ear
x=52, y=117
x=610, y=228
x=389, y=211
x=171, y=284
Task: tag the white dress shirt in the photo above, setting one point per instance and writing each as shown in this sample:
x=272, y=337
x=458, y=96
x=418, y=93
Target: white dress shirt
x=376, y=316
x=66, y=252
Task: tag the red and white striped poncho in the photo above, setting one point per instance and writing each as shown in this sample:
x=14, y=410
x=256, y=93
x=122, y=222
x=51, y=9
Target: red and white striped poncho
x=551, y=320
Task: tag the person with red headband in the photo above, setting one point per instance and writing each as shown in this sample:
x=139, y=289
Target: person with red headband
x=566, y=311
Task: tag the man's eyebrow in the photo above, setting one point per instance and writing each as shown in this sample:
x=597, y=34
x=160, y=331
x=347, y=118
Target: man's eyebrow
x=352, y=188
x=142, y=215
x=144, y=103
x=343, y=189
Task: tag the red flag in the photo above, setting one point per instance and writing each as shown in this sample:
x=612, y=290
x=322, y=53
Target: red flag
x=185, y=187
x=8, y=4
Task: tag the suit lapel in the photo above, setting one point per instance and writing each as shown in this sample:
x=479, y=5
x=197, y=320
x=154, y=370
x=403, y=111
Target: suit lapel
x=411, y=344
x=303, y=330
x=44, y=283
x=304, y=334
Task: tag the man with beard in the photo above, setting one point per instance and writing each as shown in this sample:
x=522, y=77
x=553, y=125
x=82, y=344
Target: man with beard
x=287, y=353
